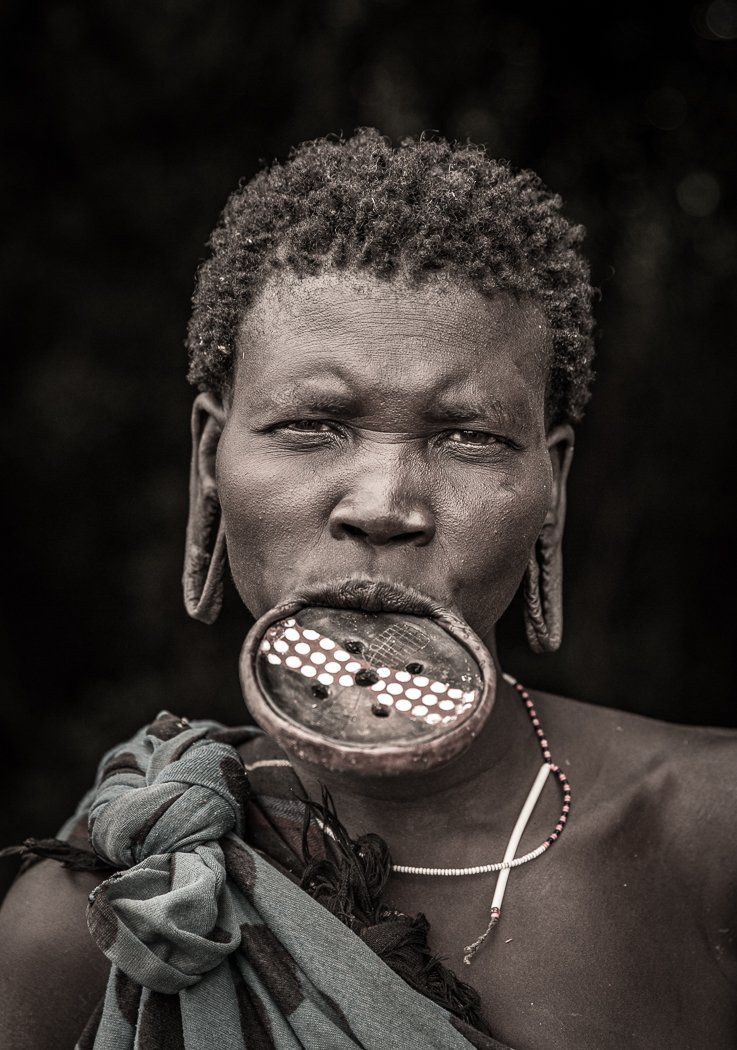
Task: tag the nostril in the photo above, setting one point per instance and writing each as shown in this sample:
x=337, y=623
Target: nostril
x=408, y=537
x=354, y=531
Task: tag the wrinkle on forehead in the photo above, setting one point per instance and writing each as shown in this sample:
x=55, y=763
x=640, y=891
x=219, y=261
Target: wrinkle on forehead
x=339, y=331
x=351, y=302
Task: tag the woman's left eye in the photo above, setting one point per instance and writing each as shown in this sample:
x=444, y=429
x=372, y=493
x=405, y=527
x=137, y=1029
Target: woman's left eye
x=472, y=437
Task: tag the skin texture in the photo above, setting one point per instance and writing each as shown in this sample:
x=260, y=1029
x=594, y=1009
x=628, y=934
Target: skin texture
x=621, y=935
x=433, y=467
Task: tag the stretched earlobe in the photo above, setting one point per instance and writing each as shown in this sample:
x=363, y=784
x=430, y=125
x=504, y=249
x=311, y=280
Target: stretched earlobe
x=205, y=552
x=543, y=582
x=543, y=593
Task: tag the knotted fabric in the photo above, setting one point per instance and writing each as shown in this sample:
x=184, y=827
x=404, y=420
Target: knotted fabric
x=209, y=941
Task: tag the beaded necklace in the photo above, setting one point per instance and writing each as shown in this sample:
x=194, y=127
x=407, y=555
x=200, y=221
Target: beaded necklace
x=510, y=861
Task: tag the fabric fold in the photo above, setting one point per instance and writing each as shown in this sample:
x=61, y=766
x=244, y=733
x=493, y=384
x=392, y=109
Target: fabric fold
x=208, y=940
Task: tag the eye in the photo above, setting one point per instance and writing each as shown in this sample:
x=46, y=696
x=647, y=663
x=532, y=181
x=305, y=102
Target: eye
x=309, y=426
x=472, y=437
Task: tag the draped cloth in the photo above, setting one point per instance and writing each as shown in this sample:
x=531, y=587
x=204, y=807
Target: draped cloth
x=211, y=943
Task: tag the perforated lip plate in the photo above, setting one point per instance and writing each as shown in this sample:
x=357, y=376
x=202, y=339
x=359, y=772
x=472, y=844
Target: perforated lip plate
x=378, y=692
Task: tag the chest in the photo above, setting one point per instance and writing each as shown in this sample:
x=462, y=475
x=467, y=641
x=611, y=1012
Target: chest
x=605, y=951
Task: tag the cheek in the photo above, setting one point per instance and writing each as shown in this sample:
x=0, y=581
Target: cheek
x=273, y=515
x=493, y=527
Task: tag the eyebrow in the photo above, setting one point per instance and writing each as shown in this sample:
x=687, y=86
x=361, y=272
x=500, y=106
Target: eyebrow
x=307, y=396
x=470, y=412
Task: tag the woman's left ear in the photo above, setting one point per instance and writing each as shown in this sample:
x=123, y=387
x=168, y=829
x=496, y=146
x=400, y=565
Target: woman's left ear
x=205, y=553
x=543, y=583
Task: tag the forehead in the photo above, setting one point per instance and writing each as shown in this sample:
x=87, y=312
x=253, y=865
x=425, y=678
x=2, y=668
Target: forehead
x=437, y=335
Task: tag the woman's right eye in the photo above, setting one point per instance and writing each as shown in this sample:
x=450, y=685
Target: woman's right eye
x=309, y=426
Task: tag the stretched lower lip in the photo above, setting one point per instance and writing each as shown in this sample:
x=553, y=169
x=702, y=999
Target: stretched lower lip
x=371, y=595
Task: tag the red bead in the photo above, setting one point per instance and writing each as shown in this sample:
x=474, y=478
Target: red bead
x=545, y=747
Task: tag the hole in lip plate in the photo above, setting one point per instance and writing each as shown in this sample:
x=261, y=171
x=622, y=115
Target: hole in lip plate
x=414, y=667
x=366, y=676
x=380, y=710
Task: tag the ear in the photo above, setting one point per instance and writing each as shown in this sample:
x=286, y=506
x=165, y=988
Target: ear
x=205, y=552
x=560, y=448
x=543, y=584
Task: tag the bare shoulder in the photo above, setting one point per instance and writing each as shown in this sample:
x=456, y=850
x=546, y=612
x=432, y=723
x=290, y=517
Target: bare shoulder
x=52, y=975
x=674, y=785
x=699, y=762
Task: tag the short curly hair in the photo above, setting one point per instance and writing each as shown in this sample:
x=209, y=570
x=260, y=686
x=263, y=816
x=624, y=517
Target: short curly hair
x=411, y=210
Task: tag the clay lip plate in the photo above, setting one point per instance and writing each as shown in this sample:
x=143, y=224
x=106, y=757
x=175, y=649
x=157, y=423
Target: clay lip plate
x=377, y=693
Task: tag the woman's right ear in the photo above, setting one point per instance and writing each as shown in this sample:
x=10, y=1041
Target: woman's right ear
x=205, y=553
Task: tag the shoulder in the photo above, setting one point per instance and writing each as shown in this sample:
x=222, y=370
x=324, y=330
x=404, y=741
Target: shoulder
x=662, y=789
x=52, y=975
x=697, y=763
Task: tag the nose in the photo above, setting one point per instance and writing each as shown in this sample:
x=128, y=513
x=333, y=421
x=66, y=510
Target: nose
x=381, y=513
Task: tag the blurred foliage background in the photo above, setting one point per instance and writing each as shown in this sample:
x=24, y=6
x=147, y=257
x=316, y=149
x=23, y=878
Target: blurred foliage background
x=127, y=124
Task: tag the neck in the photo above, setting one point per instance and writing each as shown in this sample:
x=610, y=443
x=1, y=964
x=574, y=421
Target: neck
x=481, y=788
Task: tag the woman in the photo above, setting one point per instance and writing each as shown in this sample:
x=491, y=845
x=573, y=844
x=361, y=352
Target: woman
x=392, y=347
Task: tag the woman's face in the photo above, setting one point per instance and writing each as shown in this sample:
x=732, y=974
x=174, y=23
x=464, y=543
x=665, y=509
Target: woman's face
x=384, y=431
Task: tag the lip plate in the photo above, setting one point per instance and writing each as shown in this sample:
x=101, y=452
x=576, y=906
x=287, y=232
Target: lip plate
x=383, y=759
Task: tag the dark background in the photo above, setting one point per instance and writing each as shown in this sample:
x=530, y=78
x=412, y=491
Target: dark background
x=129, y=124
